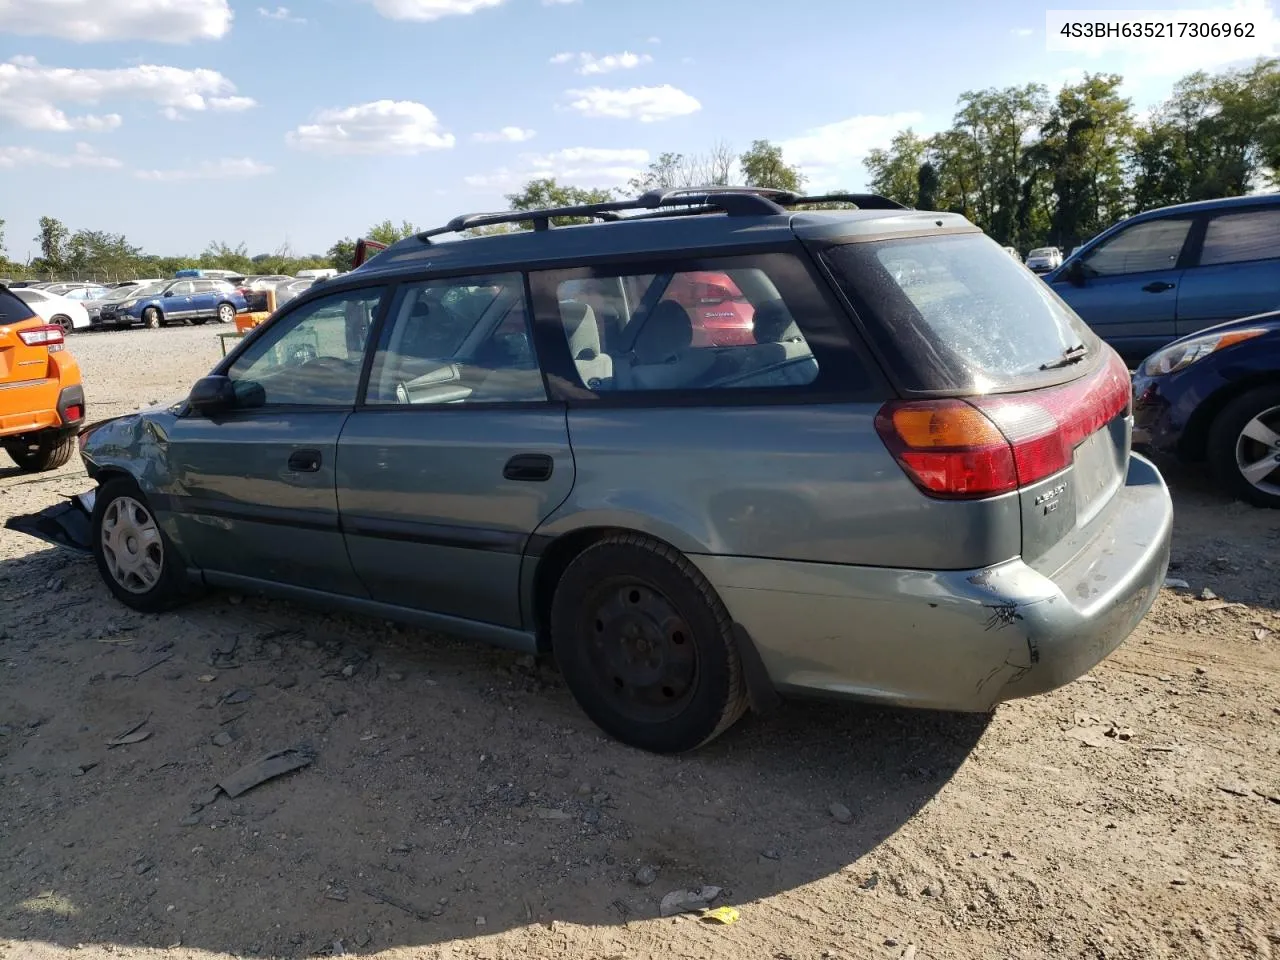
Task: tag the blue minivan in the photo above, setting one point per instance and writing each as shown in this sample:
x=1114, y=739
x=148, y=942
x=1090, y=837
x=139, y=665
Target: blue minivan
x=1165, y=273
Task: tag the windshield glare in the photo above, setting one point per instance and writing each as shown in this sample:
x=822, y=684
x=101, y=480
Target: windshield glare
x=133, y=293
x=957, y=313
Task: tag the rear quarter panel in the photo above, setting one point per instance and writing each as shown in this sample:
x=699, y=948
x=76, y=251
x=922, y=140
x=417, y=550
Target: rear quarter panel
x=794, y=481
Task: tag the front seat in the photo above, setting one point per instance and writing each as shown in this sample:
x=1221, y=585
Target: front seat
x=662, y=357
x=595, y=367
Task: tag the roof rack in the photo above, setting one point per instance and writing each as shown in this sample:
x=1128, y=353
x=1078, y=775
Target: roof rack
x=678, y=201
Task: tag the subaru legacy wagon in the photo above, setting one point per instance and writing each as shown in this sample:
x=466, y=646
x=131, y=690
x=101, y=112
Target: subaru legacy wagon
x=912, y=485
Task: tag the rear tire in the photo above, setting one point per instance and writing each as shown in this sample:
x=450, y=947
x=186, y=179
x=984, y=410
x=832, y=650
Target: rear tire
x=63, y=321
x=48, y=451
x=226, y=313
x=138, y=563
x=1243, y=439
x=645, y=645
x=152, y=318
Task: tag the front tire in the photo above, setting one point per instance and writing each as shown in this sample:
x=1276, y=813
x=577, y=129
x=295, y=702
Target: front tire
x=226, y=313
x=645, y=645
x=152, y=319
x=1244, y=447
x=47, y=451
x=137, y=561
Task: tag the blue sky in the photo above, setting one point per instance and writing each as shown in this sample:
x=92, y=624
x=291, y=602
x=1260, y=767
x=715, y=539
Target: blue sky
x=180, y=122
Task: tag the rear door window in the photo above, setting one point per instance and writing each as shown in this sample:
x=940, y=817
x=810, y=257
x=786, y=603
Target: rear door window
x=13, y=309
x=702, y=327
x=1242, y=237
x=958, y=314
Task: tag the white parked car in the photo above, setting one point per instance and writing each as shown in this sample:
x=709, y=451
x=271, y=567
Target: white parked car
x=67, y=314
x=1044, y=259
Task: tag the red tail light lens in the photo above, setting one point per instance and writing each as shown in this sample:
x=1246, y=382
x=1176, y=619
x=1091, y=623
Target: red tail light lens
x=966, y=449
x=46, y=336
x=74, y=412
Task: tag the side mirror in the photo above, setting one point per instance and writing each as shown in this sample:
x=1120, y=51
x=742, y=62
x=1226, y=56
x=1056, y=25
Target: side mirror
x=212, y=393
x=1075, y=273
x=168, y=293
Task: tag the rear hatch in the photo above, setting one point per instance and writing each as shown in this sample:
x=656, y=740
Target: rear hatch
x=1004, y=390
x=24, y=351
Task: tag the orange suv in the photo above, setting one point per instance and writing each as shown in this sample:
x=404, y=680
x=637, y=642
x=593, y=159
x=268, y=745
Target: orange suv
x=41, y=398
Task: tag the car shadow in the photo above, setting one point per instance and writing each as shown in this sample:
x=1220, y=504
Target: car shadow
x=456, y=790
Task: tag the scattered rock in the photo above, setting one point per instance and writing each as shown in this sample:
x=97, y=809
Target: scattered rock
x=207, y=677
x=584, y=789
x=349, y=670
x=645, y=876
x=550, y=813
x=190, y=820
x=1261, y=634
x=1201, y=671
x=232, y=697
x=395, y=675
x=931, y=892
x=890, y=942
x=1207, y=594
x=142, y=868
x=591, y=816
x=871, y=882
x=400, y=848
x=223, y=738
x=1173, y=583
x=840, y=813
x=688, y=901
x=287, y=682
x=771, y=854
x=1236, y=789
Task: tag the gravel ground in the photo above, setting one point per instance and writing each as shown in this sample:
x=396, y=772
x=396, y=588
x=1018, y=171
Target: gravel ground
x=460, y=805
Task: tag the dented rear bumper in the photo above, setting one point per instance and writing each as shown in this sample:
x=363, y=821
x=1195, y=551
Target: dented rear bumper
x=954, y=640
x=67, y=524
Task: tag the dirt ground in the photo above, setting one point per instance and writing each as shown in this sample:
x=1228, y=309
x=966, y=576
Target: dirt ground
x=460, y=806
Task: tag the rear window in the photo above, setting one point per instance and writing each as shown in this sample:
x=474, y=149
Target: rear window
x=12, y=309
x=959, y=314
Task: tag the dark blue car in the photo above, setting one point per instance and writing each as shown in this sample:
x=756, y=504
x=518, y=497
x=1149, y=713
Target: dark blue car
x=1215, y=396
x=171, y=301
x=1166, y=273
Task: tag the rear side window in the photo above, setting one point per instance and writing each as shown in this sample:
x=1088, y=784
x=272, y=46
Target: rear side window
x=1242, y=237
x=730, y=324
x=1147, y=246
x=958, y=314
x=13, y=310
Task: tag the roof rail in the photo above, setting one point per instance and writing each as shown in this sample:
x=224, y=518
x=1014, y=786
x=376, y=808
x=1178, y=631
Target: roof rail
x=734, y=201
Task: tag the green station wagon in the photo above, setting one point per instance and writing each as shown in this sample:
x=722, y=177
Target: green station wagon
x=911, y=484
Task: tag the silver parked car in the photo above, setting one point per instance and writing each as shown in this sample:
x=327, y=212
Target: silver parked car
x=912, y=483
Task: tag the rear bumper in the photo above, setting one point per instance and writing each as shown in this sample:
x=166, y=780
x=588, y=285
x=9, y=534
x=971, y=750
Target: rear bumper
x=40, y=405
x=954, y=640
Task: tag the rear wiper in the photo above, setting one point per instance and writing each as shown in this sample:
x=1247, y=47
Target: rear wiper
x=1071, y=355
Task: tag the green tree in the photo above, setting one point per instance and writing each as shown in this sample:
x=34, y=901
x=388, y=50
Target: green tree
x=894, y=173
x=546, y=193
x=52, y=239
x=927, y=187
x=388, y=233
x=342, y=255
x=2, y=252
x=1085, y=143
x=764, y=166
x=222, y=256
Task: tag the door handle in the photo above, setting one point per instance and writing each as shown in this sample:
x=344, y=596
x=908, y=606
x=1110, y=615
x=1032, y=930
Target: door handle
x=304, y=461
x=1158, y=286
x=532, y=467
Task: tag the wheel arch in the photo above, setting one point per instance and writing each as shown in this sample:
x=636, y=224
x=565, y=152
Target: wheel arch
x=1193, y=445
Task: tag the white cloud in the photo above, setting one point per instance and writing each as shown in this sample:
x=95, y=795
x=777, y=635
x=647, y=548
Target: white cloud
x=646, y=104
x=1164, y=58
x=654, y=40
x=589, y=64
x=84, y=156
x=30, y=93
x=1022, y=31
x=559, y=3
x=426, y=10
x=381, y=127
x=86, y=21
x=505, y=135
x=584, y=166
x=225, y=169
x=283, y=14
x=831, y=155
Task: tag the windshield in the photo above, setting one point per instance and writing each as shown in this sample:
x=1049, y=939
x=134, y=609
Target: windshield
x=1043, y=252
x=133, y=293
x=958, y=314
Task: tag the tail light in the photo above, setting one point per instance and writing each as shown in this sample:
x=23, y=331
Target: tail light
x=74, y=412
x=50, y=336
x=980, y=447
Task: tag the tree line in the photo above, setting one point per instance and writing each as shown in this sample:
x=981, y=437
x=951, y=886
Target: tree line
x=1029, y=168
x=1033, y=169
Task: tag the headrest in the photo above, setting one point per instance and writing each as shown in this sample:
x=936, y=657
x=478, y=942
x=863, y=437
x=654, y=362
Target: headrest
x=666, y=332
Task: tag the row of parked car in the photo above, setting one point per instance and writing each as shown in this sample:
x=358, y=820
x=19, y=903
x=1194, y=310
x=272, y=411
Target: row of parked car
x=154, y=302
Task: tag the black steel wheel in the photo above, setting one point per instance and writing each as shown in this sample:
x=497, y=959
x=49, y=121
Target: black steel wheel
x=646, y=646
